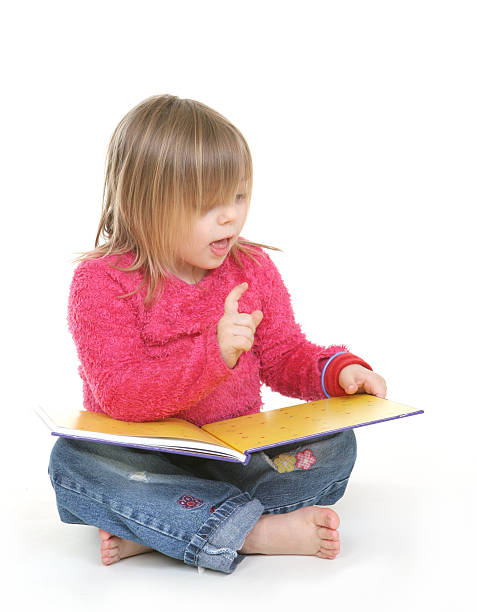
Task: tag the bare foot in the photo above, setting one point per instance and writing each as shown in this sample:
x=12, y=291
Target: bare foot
x=306, y=531
x=113, y=548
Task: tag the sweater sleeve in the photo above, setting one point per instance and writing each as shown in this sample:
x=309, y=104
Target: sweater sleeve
x=289, y=363
x=333, y=369
x=125, y=380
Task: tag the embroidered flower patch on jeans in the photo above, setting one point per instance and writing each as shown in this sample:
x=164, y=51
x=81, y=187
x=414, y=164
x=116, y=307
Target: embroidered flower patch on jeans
x=305, y=459
x=187, y=501
x=285, y=462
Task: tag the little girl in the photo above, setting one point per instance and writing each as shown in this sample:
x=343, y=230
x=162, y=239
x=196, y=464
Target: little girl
x=176, y=314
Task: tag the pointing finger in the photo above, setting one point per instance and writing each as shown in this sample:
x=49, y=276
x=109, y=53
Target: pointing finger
x=231, y=301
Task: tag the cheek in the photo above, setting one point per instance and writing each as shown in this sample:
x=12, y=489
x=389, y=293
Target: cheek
x=197, y=234
x=245, y=214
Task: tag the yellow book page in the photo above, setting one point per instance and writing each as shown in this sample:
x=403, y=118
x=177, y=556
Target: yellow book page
x=267, y=428
x=102, y=423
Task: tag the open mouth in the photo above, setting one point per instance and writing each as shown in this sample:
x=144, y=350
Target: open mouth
x=221, y=243
x=220, y=247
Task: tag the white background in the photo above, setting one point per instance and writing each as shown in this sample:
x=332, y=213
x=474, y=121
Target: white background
x=362, y=124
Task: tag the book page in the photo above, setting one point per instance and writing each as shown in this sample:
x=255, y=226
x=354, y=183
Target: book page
x=83, y=420
x=265, y=429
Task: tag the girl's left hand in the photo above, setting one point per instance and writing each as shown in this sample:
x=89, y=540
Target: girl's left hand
x=358, y=379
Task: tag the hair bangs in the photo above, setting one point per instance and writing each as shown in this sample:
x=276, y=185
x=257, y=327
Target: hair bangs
x=219, y=163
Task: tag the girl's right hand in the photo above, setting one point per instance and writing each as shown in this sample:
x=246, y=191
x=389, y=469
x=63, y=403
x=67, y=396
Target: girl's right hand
x=235, y=330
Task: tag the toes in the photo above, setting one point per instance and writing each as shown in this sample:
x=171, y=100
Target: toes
x=332, y=520
x=110, y=556
x=328, y=534
x=326, y=517
x=109, y=548
x=107, y=555
x=330, y=547
x=114, y=550
x=324, y=555
x=110, y=551
x=104, y=535
x=108, y=561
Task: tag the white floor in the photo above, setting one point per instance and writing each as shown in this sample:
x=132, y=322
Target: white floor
x=407, y=531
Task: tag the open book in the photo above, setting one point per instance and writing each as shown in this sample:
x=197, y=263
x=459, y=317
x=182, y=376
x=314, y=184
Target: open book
x=232, y=439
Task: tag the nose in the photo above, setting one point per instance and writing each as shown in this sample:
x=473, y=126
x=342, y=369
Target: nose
x=228, y=213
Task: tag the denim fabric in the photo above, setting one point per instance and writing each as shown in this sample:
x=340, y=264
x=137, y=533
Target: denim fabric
x=197, y=510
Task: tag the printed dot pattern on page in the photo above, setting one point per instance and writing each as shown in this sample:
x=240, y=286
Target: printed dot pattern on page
x=267, y=428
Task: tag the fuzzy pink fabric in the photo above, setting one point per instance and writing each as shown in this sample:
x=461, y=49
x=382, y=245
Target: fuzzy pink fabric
x=142, y=364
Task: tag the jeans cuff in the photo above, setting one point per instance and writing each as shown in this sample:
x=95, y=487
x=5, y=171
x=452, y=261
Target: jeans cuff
x=216, y=544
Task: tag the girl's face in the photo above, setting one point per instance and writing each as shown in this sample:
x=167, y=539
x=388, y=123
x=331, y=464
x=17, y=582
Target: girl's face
x=223, y=221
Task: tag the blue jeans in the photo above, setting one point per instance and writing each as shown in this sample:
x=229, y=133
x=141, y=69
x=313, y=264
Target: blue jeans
x=197, y=510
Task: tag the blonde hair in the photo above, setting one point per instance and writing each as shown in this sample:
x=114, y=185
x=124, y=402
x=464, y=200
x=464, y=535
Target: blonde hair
x=168, y=160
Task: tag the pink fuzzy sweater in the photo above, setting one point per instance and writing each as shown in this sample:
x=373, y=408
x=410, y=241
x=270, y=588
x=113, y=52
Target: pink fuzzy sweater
x=141, y=364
